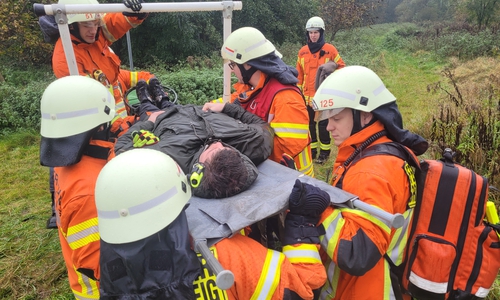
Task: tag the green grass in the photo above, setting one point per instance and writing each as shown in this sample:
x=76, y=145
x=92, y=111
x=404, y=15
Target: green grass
x=31, y=264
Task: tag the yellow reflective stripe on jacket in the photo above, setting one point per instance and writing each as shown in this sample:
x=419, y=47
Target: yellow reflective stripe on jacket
x=377, y=221
x=333, y=225
x=105, y=31
x=83, y=234
x=270, y=276
x=88, y=285
x=336, y=59
x=133, y=79
x=120, y=109
x=291, y=130
x=398, y=242
x=324, y=146
x=388, y=292
x=205, y=287
x=329, y=290
x=303, y=253
x=304, y=164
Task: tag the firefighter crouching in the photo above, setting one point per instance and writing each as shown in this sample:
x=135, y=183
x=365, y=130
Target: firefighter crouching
x=145, y=242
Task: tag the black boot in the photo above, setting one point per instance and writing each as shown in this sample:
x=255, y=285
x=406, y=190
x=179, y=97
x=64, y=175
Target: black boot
x=143, y=93
x=314, y=153
x=51, y=222
x=324, y=155
x=159, y=95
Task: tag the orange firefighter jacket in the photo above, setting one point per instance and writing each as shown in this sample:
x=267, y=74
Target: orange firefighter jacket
x=76, y=215
x=290, y=121
x=261, y=273
x=308, y=64
x=355, y=242
x=128, y=79
x=98, y=57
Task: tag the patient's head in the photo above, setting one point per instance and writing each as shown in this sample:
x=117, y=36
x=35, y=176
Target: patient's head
x=222, y=172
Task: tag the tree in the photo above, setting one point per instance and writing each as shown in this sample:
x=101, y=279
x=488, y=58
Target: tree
x=346, y=14
x=22, y=39
x=424, y=10
x=482, y=11
x=172, y=37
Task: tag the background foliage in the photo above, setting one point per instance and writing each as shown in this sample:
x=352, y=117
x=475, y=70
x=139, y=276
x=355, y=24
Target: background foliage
x=443, y=67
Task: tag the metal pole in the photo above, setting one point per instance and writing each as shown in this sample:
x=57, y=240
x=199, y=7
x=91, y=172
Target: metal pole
x=227, y=15
x=129, y=47
x=64, y=9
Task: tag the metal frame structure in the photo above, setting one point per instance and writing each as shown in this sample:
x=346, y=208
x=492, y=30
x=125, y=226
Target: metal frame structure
x=60, y=12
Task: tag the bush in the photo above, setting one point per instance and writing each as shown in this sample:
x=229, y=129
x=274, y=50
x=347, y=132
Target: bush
x=195, y=86
x=468, y=122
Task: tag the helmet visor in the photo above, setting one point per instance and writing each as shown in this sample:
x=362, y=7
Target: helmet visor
x=326, y=114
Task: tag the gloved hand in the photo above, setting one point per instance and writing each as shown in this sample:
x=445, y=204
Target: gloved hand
x=307, y=200
x=287, y=161
x=306, y=204
x=143, y=138
x=324, y=71
x=136, y=6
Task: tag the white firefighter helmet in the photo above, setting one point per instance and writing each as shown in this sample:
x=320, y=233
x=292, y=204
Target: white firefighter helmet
x=245, y=44
x=354, y=87
x=315, y=23
x=72, y=18
x=74, y=104
x=129, y=212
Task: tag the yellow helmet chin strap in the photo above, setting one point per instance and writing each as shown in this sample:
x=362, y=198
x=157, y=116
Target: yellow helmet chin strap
x=196, y=175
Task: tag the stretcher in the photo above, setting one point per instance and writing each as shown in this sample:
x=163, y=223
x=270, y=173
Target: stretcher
x=211, y=220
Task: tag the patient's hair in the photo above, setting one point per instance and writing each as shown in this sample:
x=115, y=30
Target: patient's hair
x=225, y=174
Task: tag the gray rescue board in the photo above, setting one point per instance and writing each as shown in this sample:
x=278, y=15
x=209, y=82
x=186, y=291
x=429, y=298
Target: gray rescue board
x=214, y=219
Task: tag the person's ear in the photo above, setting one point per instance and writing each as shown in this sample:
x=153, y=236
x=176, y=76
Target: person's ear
x=366, y=118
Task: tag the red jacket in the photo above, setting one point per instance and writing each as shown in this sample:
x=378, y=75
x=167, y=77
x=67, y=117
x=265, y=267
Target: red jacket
x=355, y=241
x=290, y=121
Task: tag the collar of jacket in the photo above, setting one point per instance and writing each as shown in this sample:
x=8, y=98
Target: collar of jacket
x=247, y=95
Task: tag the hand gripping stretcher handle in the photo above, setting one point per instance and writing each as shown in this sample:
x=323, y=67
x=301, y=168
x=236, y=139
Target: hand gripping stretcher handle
x=225, y=278
x=395, y=220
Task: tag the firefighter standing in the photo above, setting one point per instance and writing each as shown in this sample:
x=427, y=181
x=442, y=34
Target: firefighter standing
x=145, y=243
x=91, y=35
x=310, y=58
x=76, y=112
x=362, y=112
x=269, y=90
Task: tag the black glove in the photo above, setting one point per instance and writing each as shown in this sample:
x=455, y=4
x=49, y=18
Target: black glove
x=307, y=200
x=288, y=161
x=136, y=6
x=306, y=204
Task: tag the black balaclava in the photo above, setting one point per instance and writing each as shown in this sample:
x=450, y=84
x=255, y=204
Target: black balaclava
x=271, y=65
x=390, y=116
x=160, y=266
x=356, y=117
x=246, y=74
x=315, y=47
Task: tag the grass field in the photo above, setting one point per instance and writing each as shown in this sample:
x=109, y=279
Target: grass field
x=31, y=265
